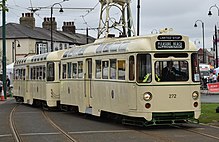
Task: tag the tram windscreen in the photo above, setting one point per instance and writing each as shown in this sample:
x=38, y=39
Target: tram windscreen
x=171, y=71
x=144, y=68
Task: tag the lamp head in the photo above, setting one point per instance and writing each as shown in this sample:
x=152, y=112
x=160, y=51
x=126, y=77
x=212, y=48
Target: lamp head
x=195, y=25
x=209, y=13
x=61, y=10
x=18, y=45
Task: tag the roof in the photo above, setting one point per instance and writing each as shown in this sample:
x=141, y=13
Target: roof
x=14, y=31
x=79, y=38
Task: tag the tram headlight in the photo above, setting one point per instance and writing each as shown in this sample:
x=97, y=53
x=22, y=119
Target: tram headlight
x=195, y=95
x=147, y=96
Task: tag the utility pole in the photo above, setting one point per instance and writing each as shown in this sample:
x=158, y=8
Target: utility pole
x=4, y=47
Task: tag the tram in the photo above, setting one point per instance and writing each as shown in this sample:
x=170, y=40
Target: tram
x=124, y=76
x=36, y=79
x=121, y=76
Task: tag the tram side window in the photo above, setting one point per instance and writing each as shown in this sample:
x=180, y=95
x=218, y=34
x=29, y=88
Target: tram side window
x=69, y=70
x=195, y=68
x=105, y=69
x=17, y=74
x=98, y=69
x=23, y=74
x=64, y=71
x=74, y=70
x=50, y=71
x=113, y=69
x=34, y=72
x=80, y=69
x=144, y=68
x=31, y=73
x=131, y=68
x=44, y=72
x=121, y=69
x=37, y=72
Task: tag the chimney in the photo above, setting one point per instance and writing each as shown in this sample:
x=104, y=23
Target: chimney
x=68, y=27
x=27, y=19
x=47, y=23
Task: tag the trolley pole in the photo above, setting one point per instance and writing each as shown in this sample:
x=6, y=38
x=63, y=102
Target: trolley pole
x=4, y=47
x=138, y=18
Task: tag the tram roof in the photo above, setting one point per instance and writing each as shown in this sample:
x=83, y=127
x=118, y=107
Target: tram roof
x=52, y=56
x=122, y=45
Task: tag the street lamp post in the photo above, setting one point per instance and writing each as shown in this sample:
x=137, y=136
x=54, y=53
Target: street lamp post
x=51, y=20
x=215, y=39
x=203, y=36
x=215, y=45
x=209, y=12
x=14, y=51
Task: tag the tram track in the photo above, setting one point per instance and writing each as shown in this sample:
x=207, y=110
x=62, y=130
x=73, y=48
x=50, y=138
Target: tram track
x=196, y=132
x=15, y=133
x=64, y=133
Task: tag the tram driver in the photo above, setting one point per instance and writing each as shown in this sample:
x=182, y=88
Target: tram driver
x=169, y=72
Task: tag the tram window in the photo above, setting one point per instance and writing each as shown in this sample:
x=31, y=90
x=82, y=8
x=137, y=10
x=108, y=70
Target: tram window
x=37, y=72
x=131, y=68
x=105, y=69
x=41, y=73
x=144, y=68
x=34, y=72
x=44, y=72
x=31, y=73
x=195, y=68
x=80, y=69
x=69, y=70
x=113, y=69
x=23, y=74
x=74, y=70
x=15, y=74
x=50, y=71
x=171, y=71
x=98, y=69
x=121, y=69
x=64, y=71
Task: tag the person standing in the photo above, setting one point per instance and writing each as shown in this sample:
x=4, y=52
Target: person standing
x=218, y=77
x=8, y=82
x=214, y=78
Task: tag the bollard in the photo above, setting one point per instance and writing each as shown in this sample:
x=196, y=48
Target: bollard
x=2, y=95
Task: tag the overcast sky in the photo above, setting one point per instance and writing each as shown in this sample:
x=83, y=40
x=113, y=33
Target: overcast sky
x=155, y=14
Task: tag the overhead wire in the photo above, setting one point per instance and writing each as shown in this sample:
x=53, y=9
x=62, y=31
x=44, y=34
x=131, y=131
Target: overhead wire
x=88, y=12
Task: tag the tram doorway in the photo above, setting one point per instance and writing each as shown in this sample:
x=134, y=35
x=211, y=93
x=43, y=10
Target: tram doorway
x=87, y=82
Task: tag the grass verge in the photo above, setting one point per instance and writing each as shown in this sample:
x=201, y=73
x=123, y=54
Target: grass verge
x=208, y=113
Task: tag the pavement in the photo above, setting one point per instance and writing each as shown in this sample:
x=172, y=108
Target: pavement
x=4, y=101
x=207, y=97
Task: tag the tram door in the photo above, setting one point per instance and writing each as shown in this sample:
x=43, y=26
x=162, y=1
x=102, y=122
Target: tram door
x=88, y=77
x=27, y=93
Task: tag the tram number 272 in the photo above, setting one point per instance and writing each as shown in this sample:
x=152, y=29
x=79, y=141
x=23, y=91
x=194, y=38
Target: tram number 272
x=171, y=96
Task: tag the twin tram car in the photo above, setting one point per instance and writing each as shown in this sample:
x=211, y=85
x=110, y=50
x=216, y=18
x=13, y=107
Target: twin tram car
x=122, y=76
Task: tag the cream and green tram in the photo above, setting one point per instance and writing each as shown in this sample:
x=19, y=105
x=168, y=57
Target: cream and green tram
x=41, y=81
x=125, y=76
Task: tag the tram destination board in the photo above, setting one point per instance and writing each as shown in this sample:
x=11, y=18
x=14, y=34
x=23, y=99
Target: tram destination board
x=168, y=45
